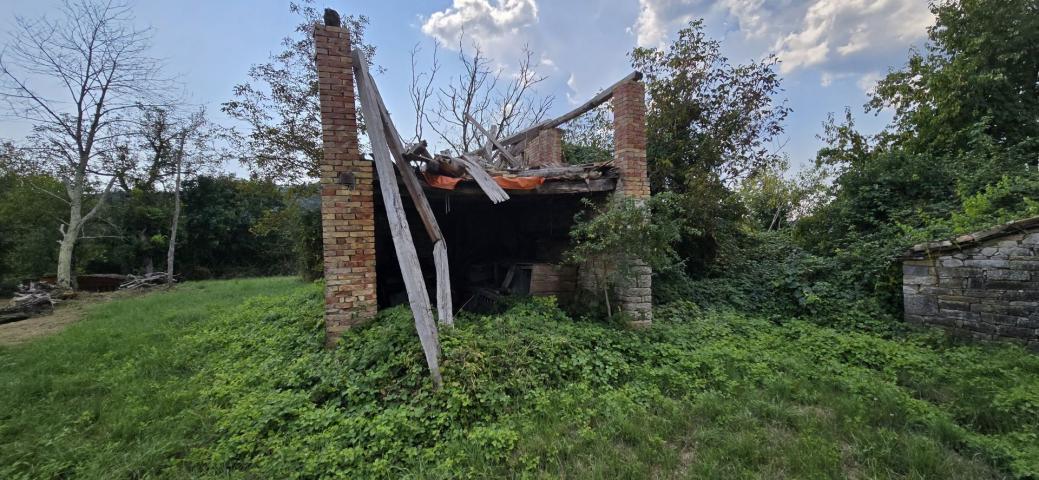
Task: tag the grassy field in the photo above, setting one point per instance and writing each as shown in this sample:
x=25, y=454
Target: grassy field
x=229, y=380
x=115, y=395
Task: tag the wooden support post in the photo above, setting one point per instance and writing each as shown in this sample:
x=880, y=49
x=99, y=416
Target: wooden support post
x=401, y=233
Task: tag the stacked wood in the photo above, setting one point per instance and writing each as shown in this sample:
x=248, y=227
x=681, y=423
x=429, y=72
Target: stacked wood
x=30, y=300
x=148, y=280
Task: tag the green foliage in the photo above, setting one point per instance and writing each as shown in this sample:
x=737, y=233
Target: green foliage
x=299, y=221
x=117, y=394
x=249, y=392
x=768, y=274
x=709, y=123
x=960, y=156
x=28, y=236
x=219, y=238
x=589, y=137
x=625, y=233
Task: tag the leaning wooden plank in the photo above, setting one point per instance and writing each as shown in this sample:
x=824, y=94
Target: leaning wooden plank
x=418, y=197
x=508, y=156
x=445, y=311
x=402, y=243
x=407, y=174
x=486, y=183
x=577, y=112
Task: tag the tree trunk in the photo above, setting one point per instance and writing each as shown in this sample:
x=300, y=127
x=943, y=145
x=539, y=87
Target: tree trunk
x=68, y=244
x=176, y=217
x=70, y=234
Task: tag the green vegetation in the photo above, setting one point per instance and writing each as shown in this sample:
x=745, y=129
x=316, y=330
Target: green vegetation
x=116, y=395
x=213, y=387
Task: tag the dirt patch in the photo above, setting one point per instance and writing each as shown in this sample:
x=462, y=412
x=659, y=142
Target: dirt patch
x=64, y=314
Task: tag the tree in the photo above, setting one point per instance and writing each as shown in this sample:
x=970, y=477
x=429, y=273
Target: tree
x=186, y=161
x=501, y=102
x=279, y=106
x=977, y=72
x=707, y=117
x=710, y=124
x=95, y=61
x=28, y=220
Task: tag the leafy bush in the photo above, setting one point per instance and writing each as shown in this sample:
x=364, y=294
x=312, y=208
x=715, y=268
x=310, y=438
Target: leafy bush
x=250, y=392
x=767, y=273
x=532, y=390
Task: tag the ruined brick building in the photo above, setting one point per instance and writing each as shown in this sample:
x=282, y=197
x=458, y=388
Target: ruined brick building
x=495, y=246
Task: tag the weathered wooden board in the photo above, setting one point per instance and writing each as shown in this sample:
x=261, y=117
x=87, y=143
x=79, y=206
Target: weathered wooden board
x=398, y=222
x=577, y=112
x=484, y=180
x=445, y=312
x=490, y=137
x=445, y=309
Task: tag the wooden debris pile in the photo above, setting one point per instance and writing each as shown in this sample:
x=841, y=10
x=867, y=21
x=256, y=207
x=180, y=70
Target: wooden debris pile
x=148, y=280
x=504, y=157
x=32, y=299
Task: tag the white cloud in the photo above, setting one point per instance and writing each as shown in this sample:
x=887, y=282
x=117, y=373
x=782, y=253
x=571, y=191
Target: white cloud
x=480, y=20
x=840, y=36
x=657, y=19
x=851, y=27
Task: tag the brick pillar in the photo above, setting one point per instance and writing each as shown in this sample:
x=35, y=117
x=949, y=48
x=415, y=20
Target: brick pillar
x=545, y=150
x=629, y=139
x=347, y=211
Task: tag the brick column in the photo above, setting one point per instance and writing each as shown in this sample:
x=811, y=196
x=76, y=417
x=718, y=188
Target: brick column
x=347, y=203
x=545, y=150
x=629, y=139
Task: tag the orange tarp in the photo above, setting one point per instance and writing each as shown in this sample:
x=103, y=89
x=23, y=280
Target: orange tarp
x=441, y=181
x=507, y=183
x=519, y=183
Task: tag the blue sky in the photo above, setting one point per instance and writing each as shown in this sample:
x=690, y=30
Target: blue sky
x=832, y=50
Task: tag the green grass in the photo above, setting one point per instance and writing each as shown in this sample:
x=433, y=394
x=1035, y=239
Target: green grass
x=115, y=395
x=205, y=382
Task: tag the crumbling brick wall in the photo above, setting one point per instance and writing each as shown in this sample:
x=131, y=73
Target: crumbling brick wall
x=635, y=294
x=988, y=291
x=347, y=201
x=629, y=138
x=545, y=150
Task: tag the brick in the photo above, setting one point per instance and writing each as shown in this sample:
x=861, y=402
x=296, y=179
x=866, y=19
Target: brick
x=347, y=229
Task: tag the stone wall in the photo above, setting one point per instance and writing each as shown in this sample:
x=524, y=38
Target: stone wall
x=347, y=201
x=989, y=290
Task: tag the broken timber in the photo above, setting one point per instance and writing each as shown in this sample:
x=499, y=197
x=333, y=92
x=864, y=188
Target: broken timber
x=402, y=242
x=445, y=311
x=493, y=141
x=483, y=179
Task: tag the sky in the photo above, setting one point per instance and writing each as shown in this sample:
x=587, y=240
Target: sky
x=832, y=51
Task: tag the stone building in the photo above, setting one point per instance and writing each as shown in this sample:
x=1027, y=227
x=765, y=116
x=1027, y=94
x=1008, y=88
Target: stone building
x=984, y=285
x=514, y=246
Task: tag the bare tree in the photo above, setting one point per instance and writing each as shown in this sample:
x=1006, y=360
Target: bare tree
x=421, y=88
x=186, y=162
x=74, y=78
x=500, y=101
